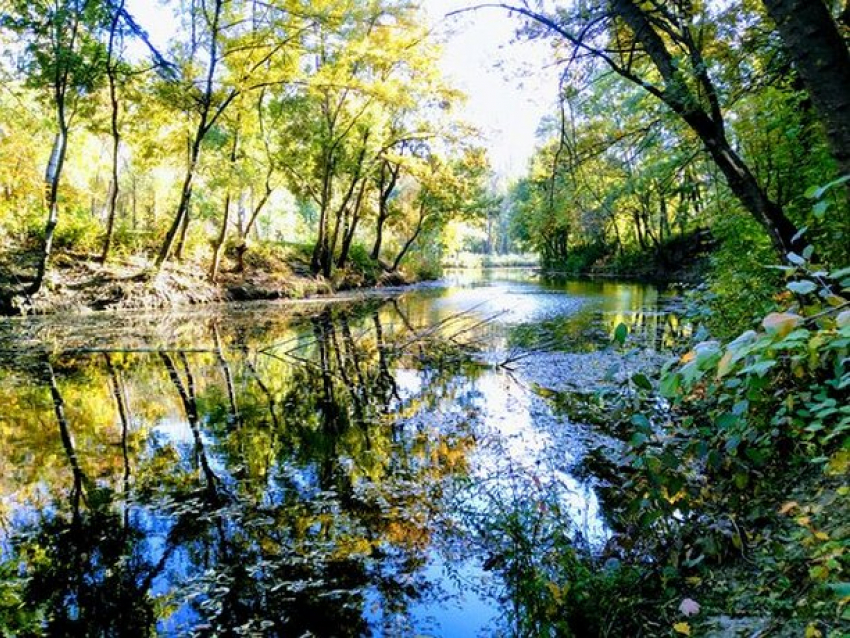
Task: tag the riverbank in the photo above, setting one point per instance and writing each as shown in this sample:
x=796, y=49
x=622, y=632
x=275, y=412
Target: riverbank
x=682, y=259
x=80, y=284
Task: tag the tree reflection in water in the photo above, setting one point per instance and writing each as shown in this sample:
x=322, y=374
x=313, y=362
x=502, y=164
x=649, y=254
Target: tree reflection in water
x=342, y=472
x=257, y=489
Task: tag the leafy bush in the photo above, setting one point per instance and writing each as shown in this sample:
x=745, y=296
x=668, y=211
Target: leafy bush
x=780, y=389
x=749, y=422
x=581, y=258
x=361, y=261
x=732, y=479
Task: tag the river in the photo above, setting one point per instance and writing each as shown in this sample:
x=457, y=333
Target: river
x=377, y=465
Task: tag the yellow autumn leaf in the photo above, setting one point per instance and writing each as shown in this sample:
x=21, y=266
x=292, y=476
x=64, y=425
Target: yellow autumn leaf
x=787, y=507
x=813, y=632
x=682, y=628
x=688, y=357
x=781, y=323
x=839, y=463
x=725, y=364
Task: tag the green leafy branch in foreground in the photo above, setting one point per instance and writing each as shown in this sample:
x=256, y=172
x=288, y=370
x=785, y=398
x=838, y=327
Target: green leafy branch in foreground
x=746, y=459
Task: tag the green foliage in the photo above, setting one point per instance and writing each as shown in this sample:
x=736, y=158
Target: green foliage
x=740, y=285
x=745, y=416
x=74, y=233
x=361, y=262
x=730, y=468
x=778, y=390
x=423, y=266
x=15, y=618
x=269, y=257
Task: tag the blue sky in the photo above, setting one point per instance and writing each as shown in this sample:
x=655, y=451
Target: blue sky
x=509, y=84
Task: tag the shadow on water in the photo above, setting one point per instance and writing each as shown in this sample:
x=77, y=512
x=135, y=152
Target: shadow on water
x=348, y=470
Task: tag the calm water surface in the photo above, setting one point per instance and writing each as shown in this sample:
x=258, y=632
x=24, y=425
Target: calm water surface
x=312, y=469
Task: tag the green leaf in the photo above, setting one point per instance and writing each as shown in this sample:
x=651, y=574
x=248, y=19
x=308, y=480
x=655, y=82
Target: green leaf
x=840, y=274
x=819, y=209
x=817, y=193
x=670, y=384
x=641, y=422
x=641, y=381
x=759, y=368
x=621, y=332
x=795, y=259
x=638, y=439
x=726, y=421
x=732, y=444
x=802, y=287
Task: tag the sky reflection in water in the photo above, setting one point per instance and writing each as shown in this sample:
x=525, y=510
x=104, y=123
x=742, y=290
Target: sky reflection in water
x=268, y=472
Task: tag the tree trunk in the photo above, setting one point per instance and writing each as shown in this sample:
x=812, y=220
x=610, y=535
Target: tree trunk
x=708, y=124
x=781, y=230
x=242, y=248
x=386, y=186
x=51, y=184
x=320, y=250
x=219, y=242
x=207, y=119
x=116, y=133
x=410, y=241
x=822, y=59
x=181, y=218
x=184, y=231
x=348, y=236
x=225, y=221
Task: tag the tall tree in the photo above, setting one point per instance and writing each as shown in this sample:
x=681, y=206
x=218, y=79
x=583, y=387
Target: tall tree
x=231, y=52
x=661, y=47
x=821, y=56
x=63, y=57
x=113, y=65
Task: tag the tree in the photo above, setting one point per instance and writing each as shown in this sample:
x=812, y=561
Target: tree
x=353, y=114
x=823, y=62
x=232, y=51
x=661, y=48
x=113, y=65
x=440, y=189
x=64, y=60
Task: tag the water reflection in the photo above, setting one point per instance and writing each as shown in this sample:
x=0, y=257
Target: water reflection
x=253, y=472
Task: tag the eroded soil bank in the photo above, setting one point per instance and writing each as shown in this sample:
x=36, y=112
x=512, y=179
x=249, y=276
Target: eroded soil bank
x=75, y=285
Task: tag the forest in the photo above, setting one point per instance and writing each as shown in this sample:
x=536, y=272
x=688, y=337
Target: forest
x=686, y=209
x=327, y=125
x=327, y=135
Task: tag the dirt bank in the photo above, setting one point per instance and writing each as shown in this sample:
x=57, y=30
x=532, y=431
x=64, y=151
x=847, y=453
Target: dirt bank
x=81, y=285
